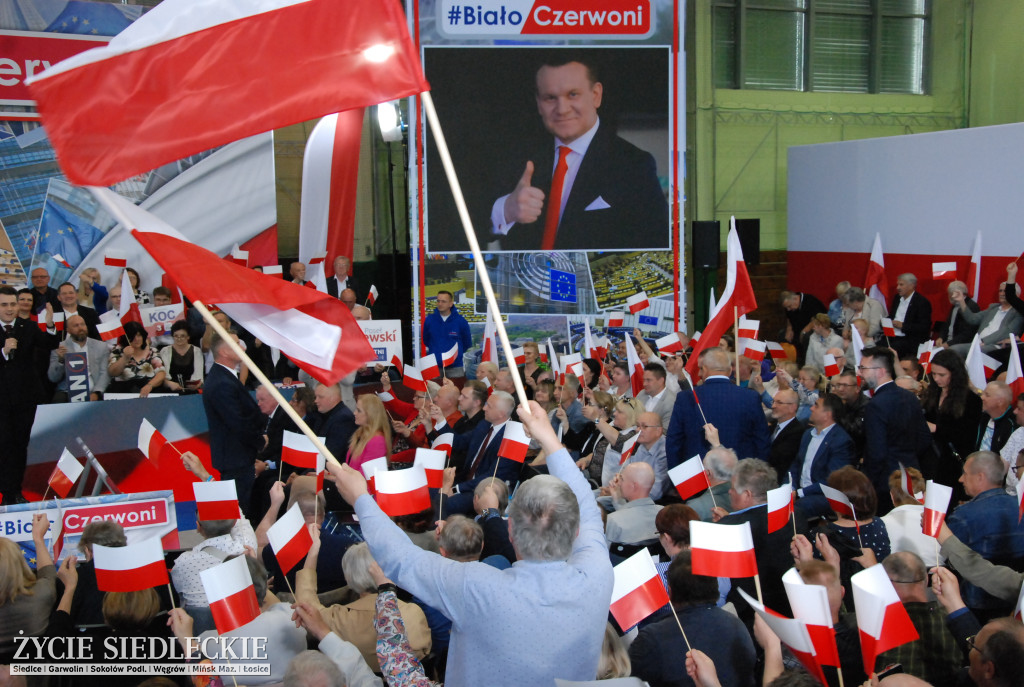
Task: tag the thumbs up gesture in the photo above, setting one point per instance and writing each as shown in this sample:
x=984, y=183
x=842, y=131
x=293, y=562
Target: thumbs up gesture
x=525, y=203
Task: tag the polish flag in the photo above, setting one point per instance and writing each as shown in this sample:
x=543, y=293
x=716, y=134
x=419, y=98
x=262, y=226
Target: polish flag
x=514, y=442
x=58, y=321
x=636, y=367
x=669, y=343
x=321, y=469
x=144, y=99
x=317, y=279
x=216, y=500
x=370, y=470
x=130, y=568
x=65, y=474
x=831, y=366
x=924, y=354
x=553, y=358
x=689, y=477
x=602, y=344
x=792, y=632
x=838, y=501
x=627, y=448
x=887, y=327
x=489, y=347
x=129, y=308
x=1014, y=376
x=397, y=362
x=62, y=260
x=857, y=344
x=231, y=595
x=936, y=503
x=239, y=256
x=974, y=269
x=544, y=355
x=780, y=507
x=273, y=271
x=722, y=550
x=372, y=296
x=298, y=450
x=151, y=441
x=111, y=329
x=615, y=319
x=776, y=351
x=748, y=329
x=317, y=332
x=754, y=349
x=1017, y=610
x=944, y=270
x=881, y=618
x=637, y=591
x=444, y=443
x=427, y=365
x=980, y=365
x=319, y=258
x=290, y=538
x=810, y=604
x=448, y=357
x=432, y=461
x=875, y=283
x=412, y=378
x=637, y=302
x=695, y=338
x=907, y=483
x=588, y=341
x=517, y=357
x=402, y=492
x=115, y=258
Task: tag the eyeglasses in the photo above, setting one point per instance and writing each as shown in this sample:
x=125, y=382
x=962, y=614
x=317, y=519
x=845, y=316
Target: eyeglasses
x=1017, y=468
x=972, y=644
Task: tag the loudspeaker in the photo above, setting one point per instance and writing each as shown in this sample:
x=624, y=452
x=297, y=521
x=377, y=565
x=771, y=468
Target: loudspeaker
x=749, y=231
x=706, y=239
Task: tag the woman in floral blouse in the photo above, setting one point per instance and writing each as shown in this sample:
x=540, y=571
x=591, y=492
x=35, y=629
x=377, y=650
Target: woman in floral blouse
x=135, y=367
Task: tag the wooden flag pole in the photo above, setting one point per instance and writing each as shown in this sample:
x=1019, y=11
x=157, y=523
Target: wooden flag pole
x=757, y=586
x=676, y=616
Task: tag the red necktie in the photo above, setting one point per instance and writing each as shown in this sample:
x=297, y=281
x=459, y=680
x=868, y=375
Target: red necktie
x=480, y=455
x=555, y=199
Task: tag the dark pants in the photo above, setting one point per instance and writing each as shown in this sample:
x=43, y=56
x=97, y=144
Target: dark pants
x=15, y=430
x=244, y=479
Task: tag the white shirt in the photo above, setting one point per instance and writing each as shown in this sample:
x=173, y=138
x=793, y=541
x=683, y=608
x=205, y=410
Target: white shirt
x=781, y=426
x=901, y=312
x=652, y=402
x=812, y=448
x=995, y=323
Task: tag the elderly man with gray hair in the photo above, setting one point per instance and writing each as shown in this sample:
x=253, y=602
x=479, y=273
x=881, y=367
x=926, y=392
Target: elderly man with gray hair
x=562, y=581
x=719, y=464
x=633, y=519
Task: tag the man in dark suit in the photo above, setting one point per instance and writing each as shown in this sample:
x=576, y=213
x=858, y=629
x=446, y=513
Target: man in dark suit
x=800, y=311
x=786, y=431
x=608, y=194
x=333, y=421
x=21, y=390
x=68, y=297
x=481, y=450
x=734, y=411
x=895, y=431
x=824, y=448
x=342, y=279
x=236, y=423
x=911, y=317
x=42, y=292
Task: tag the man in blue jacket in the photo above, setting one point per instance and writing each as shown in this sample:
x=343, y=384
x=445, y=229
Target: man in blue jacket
x=444, y=328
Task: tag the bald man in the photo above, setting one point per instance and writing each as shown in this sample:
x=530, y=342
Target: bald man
x=333, y=420
x=633, y=519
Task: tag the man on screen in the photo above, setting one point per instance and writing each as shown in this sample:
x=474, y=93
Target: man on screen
x=607, y=189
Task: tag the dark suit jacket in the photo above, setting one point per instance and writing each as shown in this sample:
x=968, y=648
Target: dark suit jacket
x=92, y=320
x=895, y=432
x=835, y=451
x=801, y=317
x=336, y=426
x=275, y=429
x=735, y=411
x=236, y=423
x=332, y=288
x=21, y=385
x=917, y=323
x=621, y=175
x=508, y=470
x=784, y=447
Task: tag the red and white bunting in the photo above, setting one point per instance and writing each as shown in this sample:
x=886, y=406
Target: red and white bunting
x=402, y=492
x=130, y=568
x=111, y=329
x=290, y=539
x=627, y=448
x=448, y=357
x=615, y=319
x=748, y=329
x=838, y=501
x=412, y=378
x=888, y=329
x=151, y=441
x=433, y=463
x=810, y=604
x=427, y=365
x=372, y=296
x=637, y=591
x=370, y=470
x=669, y=343
x=881, y=618
x=936, y=503
x=65, y=474
x=722, y=550
x=776, y=351
x=231, y=595
x=875, y=282
x=831, y=366
x=115, y=258
x=443, y=442
x=298, y=450
x=689, y=477
x=753, y=349
x=514, y=442
x=637, y=302
x=216, y=500
x=780, y=507
x=792, y=632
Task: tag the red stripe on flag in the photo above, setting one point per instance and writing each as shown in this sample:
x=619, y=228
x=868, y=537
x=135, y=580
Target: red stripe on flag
x=724, y=563
x=931, y=522
x=693, y=485
x=513, y=450
x=435, y=478
x=405, y=503
x=236, y=610
x=639, y=603
x=294, y=551
x=60, y=483
x=777, y=519
x=217, y=510
x=824, y=640
x=136, y=579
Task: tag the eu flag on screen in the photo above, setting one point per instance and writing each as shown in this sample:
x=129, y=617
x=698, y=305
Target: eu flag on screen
x=563, y=286
x=65, y=233
x=94, y=19
x=651, y=320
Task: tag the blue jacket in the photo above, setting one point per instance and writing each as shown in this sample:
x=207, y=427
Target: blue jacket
x=439, y=335
x=988, y=524
x=835, y=451
x=735, y=411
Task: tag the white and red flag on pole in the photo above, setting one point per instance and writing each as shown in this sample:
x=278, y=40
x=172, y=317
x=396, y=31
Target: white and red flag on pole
x=636, y=367
x=748, y=329
x=637, y=302
x=273, y=270
x=151, y=441
x=689, y=477
x=110, y=329
x=372, y=296
x=517, y=357
x=831, y=366
x=514, y=442
x=321, y=468
x=722, y=550
x=65, y=474
x=857, y=344
x=980, y=365
x=936, y=503
x=637, y=591
x=907, y=482
x=130, y=568
x=589, y=349
x=371, y=469
x=615, y=319
x=231, y=594
x=838, y=501
x=144, y=99
x=448, y=357
x=924, y=354
x=875, y=283
x=397, y=362
x=888, y=329
x=627, y=448
x=489, y=347
x=553, y=359
x=776, y=351
x=1014, y=375
x=298, y=450
x=290, y=539
x=216, y=500
x=239, y=256
x=427, y=365
x=881, y=618
x=793, y=632
x=444, y=442
x=412, y=378
x=315, y=330
x=128, y=311
x=780, y=507
x=669, y=344
x=810, y=604
x=573, y=364
x=942, y=271
x=974, y=269
x=402, y=492
x=115, y=258
x=58, y=321
x=432, y=461
x=754, y=349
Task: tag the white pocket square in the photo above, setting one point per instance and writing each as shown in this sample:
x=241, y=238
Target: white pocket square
x=598, y=204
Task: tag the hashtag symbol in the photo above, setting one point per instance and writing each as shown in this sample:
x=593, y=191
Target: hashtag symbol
x=454, y=14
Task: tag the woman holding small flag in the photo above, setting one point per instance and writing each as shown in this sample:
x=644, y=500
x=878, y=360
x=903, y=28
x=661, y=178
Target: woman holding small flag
x=372, y=438
x=135, y=366
x=410, y=422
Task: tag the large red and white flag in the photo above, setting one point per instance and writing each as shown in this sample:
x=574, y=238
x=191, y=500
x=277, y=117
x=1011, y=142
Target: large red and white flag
x=290, y=539
x=216, y=500
x=637, y=302
x=144, y=99
x=427, y=365
x=875, y=283
x=636, y=367
x=737, y=300
x=689, y=478
x=780, y=507
x=448, y=357
x=1014, y=375
x=433, y=462
x=402, y=492
x=936, y=503
x=489, y=347
x=793, y=632
x=298, y=450
x=65, y=474
x=128, y=311
x=130, y=568
x=980, y=365
x=722, y=550
x=514, y=442
x=615, y=319
x=151, y=441
x=110, y=329
x=371, y=469
x=668, y=344
x=637, y=591
x=313, y=329
x=881, y=618
x=811, y=605
x=838, y=501
x=974, y=268
x=831, y=366
x=444, y=442
x=749, y=329
x=231, y=594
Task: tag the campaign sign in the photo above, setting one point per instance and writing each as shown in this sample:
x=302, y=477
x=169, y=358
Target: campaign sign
x=76, y=371
x=158, y=320
x=385, y=336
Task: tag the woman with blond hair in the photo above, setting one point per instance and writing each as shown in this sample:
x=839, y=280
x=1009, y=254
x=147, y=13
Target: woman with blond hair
x=372, y=438
x=26, y=598
x=91, y=293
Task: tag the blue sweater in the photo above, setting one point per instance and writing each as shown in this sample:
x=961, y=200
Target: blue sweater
x=440, y=335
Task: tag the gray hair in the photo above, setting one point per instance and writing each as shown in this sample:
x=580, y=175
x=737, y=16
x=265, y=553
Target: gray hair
x=909, y=277
x=854, y=295
x=313, y=669
x=721, y=463
x=432, y=388
x=989, y=464
x=461, y=538
x=545, y=518
x=500, y=489
x=505, y=398
x=957, y=286
x=756, y=476
x=102, y=532
x=355, y=565
x=715, y=360
x=905, y=567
